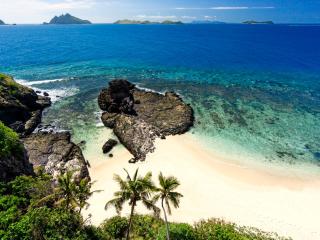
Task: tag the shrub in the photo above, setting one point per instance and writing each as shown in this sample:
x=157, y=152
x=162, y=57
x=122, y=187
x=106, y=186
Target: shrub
x=115, y=227
x=216, y=229
x=178, y=231
x=47, y=223
x=145, y=227
x=9, y=142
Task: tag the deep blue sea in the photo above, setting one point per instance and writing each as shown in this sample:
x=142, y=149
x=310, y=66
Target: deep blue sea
x=255, y=89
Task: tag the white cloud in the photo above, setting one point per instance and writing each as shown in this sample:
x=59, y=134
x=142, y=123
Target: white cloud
x=225, y=8
x=188, y=17
x=210, y=17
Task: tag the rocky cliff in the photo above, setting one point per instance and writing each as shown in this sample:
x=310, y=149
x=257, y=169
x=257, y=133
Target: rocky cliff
x=21, y=110
x=138, y=117
x=55, y=153
x=20, y=107
x=67, y=19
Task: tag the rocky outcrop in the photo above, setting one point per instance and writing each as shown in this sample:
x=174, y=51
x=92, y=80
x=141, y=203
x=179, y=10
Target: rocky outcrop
x=20, y=107
x=138, y=117
x=13, y=166
x=56, y=153
x=109, y=145
x=67, y=19
x=117, y=98
x=21, y=110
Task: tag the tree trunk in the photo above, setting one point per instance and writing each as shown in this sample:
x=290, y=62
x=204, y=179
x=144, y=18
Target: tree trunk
x=165, y=219
x=130, y=220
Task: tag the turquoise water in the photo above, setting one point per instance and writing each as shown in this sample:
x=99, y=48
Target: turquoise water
x=254, y=89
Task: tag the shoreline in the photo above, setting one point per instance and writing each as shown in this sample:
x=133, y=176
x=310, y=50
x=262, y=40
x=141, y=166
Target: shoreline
x=213, y=187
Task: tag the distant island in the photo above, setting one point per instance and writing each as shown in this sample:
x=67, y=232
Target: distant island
x=127, y=21
x=207, y=22
x=2, y=22
x=257, y=22
x=67, y=19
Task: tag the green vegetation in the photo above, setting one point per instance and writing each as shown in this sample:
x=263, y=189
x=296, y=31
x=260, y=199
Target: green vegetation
x=21, y=216
x=148, y=227
x=8, y=85
x=133, y=189
x=9, y=142
x=37, y=208
x=2, y=22
x=168, y=196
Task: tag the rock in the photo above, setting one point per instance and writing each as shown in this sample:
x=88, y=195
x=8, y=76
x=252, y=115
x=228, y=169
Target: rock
x=38, y=92
x=117, y=98
x=56, y=153
x=136, y=135
x=109, y=119
x=13, y=166
x=20, y=106
x=45, y=94
x=107, y=147
x=67, y=19
x=82, y=144
x=138, y=125
x=110, y=155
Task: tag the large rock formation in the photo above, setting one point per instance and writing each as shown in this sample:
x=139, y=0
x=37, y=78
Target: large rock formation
x=138, y=117
x=21, y=110
x=56, y=153
x=67, y=19
x=20, y=107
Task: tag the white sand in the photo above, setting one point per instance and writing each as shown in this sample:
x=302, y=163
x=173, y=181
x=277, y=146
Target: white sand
x=214, y=186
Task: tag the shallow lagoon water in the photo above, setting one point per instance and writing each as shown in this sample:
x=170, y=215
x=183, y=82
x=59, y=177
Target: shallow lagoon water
x=255, y=89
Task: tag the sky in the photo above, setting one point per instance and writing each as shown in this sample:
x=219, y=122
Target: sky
x=105, y=11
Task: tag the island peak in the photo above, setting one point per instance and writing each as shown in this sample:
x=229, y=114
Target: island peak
x=257, y=22
x=67, y=19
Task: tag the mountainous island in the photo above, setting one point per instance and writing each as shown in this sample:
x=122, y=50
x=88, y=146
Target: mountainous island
x=127, y=21
x=2, y=22
x=257, y=22
x=67, y=19
x=206, y=22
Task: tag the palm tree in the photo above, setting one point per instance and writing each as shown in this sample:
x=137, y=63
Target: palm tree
x=168, y=196
x=133, y=190
x=66, y=191
x=83, y=193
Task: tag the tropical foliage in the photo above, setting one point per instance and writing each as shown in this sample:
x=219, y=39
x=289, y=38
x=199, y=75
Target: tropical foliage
x=168, y=196
x=133, y=190
x=34, y=208
x=9, y=142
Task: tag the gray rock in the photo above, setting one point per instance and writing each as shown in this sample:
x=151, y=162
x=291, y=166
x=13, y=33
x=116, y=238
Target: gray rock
x=109, y=145
x=20, y=106
x=138, y=123
x=56, y=153
x=13, y=166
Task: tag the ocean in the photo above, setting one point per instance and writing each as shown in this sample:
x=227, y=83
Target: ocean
x=255, y=89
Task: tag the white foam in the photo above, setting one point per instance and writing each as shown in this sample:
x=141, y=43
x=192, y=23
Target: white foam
x=55, y=94
x=31, y=83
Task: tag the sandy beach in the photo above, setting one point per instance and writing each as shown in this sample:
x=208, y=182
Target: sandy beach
x=214, y=186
